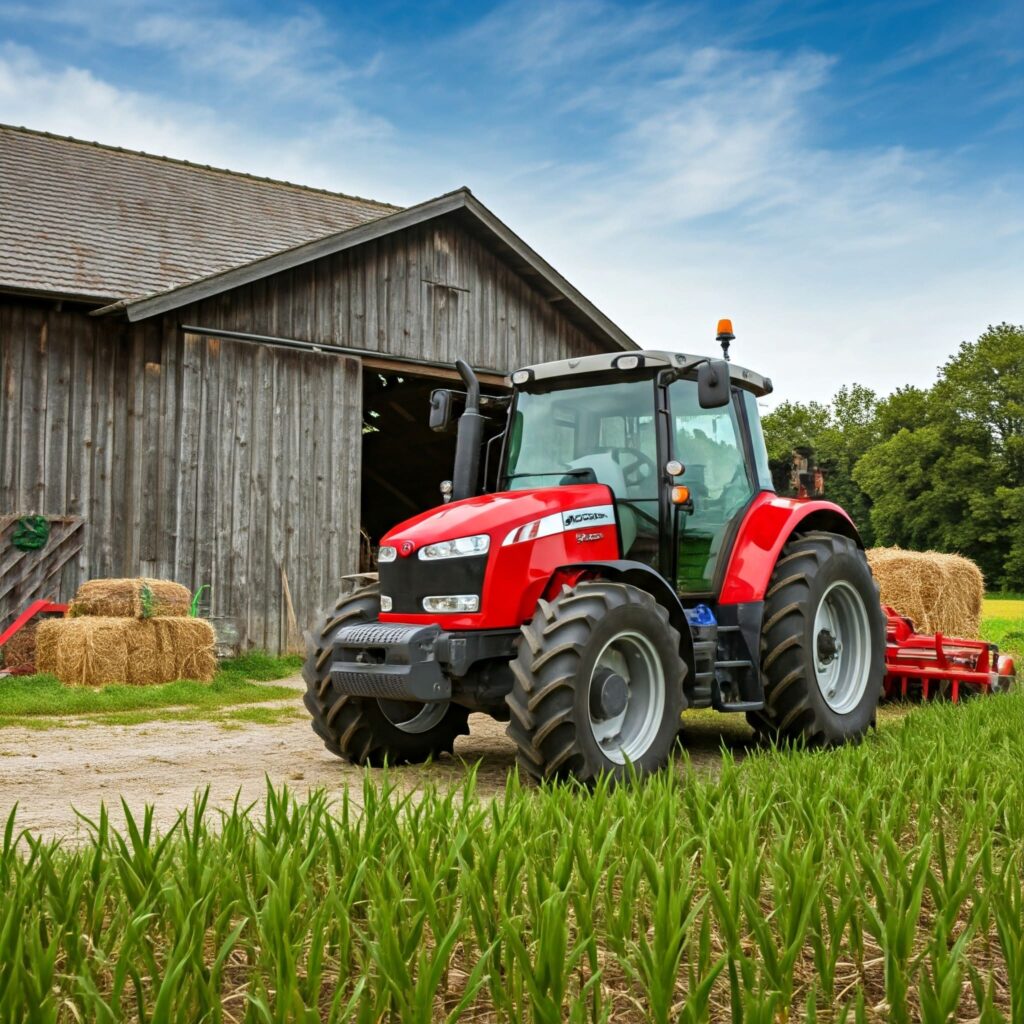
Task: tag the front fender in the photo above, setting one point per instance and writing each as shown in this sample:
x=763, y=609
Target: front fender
x=643, y=577
x=769, y=522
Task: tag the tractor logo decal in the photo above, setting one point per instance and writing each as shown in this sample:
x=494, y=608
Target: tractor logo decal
x=585, y=516
x=583, y=538
x=407, y=547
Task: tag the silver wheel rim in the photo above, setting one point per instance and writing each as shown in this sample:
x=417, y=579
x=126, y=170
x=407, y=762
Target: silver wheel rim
x=842, y=647
x=411, y=717
x=629, y=734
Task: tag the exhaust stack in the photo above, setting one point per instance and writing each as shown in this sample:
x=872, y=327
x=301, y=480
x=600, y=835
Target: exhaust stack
x=469, y=438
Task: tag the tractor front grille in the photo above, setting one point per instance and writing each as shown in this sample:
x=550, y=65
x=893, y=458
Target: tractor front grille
x=408, y=580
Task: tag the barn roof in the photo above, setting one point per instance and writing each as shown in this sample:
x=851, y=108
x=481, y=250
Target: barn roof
x=148, y=234
x=461, y=205
x=89, y=221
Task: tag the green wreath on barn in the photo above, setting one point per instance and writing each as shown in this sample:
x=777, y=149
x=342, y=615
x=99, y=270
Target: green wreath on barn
x=31, y=533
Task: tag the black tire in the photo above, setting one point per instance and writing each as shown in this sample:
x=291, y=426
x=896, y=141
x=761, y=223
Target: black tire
x=549, y=704
x=356, y=728
x=809, y=566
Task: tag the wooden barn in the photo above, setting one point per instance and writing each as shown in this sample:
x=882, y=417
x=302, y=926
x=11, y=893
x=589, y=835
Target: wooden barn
x=224, y=380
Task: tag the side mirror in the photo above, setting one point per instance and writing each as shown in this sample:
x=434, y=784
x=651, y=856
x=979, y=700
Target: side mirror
x=440, y=410
x=713, y=386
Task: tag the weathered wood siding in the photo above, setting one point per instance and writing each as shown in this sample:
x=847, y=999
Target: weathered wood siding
x=433, y=292
x=205, y=461
x=222, y=463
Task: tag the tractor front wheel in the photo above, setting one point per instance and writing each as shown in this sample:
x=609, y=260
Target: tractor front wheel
x=597, y=684
x=364, y=730
x=822, y=643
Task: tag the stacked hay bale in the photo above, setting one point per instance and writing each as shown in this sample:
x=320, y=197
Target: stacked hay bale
x=136, y=631
x=938, y=593
x=19, y=653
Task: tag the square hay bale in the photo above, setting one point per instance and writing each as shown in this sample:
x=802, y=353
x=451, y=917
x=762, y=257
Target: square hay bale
x=140, y=598
x=96, y=650
x=19, y=653
x=939, y=593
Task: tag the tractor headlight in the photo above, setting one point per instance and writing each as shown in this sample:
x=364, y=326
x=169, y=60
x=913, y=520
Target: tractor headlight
x=452, y=603
x=461, y=547
x=385, y=553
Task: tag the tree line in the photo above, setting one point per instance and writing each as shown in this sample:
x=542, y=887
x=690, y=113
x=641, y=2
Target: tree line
x=938, y=468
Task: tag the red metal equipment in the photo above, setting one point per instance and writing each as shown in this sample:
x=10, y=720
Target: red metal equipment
x=921, y=667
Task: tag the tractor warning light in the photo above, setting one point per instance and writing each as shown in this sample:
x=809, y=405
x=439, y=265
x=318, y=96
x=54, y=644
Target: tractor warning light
x=725, y=330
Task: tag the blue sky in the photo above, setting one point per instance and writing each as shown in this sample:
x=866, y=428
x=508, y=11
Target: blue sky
x=844, y=180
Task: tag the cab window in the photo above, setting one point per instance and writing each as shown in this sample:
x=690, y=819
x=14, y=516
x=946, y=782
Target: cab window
x=709, y=443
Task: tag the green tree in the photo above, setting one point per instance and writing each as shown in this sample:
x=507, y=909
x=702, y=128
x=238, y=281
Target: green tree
x=953, y=478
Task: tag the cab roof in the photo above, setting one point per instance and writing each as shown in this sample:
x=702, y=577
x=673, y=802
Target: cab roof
x=623, y=362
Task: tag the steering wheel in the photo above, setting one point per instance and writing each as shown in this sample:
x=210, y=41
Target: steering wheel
x=642, y=470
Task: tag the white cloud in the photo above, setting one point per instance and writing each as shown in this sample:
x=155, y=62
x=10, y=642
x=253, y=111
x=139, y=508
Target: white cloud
x=705, y=192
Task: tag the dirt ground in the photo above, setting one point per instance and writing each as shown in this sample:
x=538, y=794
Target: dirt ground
x=54, y=772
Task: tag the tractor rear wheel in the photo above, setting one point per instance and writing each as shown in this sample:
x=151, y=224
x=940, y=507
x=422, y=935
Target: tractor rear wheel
x=364, y=730
x=597, y=684
x=822, y=643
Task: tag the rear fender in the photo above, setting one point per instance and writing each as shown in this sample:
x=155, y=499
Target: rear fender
x=634, y=574
x=768, y=524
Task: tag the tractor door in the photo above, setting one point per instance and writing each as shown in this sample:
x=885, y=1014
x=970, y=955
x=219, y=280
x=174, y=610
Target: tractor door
x=711, y=444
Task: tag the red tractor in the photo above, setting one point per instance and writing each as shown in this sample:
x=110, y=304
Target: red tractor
x=632, y=561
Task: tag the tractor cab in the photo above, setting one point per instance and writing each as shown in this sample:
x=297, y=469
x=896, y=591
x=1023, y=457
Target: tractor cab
x=612, y=557
x=681, y=470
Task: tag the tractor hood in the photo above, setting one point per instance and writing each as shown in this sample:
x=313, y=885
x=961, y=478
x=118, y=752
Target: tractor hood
x=531, y=534
x=498, y=515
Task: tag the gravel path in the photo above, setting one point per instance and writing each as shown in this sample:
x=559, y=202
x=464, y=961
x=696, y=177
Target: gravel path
x=51, y=773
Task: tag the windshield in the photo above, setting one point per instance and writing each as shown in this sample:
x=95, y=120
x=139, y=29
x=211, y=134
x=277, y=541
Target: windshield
x=603, y=433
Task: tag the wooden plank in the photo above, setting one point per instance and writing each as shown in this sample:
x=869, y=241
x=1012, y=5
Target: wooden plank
x=100, y=549
x=207, y=481
x=121, y=449
x=12, y=354
x=57, y=405
x=294, y=472
x=189, y=418
x=263, y=424
x=135, y=456
x=80, y=442
x=148, y=501
x=242, y=496
x=32, y=455
x=167, y=450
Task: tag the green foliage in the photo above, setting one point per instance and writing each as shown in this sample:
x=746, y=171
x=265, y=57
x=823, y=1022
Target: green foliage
x=940, y=469
x=795, y=885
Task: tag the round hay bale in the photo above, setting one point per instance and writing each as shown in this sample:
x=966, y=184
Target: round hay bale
x=939, y=593
x=140, y=598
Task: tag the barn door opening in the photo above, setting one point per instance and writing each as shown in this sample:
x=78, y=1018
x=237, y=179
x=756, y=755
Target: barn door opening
x=404, y=461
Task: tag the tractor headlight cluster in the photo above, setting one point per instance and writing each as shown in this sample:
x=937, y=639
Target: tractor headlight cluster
x=452, y=603
x=386, y=553
x=461, y=547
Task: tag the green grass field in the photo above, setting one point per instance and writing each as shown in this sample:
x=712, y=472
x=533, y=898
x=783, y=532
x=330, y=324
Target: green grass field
x=881, y=882
x=42, y=702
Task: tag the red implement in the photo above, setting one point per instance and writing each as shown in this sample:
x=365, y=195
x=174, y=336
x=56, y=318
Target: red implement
x=34, y=609
x=920, y=666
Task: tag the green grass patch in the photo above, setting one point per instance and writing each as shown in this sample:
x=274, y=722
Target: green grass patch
x=1003, y=622
x=883, y=881
x=27, y=699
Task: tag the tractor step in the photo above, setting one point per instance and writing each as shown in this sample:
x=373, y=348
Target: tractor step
x=719, y=703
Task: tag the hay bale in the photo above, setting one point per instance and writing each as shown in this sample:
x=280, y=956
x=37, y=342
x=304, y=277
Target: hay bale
x=140, y=598
x=95, y=650
x=938, y=593
x=19, y=653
